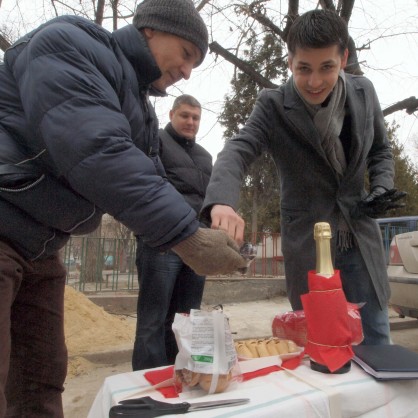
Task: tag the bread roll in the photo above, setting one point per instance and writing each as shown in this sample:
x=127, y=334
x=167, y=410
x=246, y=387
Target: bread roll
x=262, y=348
x=252, y=346
x=242, y=350
x=293, y=348
x=282, y=347
x=205, y=381
x=271, y=347
x=188, y=377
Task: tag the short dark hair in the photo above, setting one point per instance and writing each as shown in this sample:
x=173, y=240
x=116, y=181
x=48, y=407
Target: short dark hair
x=318, y=28
x=186, y=99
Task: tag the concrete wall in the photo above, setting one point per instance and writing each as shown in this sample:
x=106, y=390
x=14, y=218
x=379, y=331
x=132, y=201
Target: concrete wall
x=218, y=290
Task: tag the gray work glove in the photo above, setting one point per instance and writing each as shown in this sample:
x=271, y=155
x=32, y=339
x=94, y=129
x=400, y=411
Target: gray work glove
x=378, y=202
x=209, y=252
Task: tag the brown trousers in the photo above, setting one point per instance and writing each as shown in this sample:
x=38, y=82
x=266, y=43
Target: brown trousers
x=33, y=355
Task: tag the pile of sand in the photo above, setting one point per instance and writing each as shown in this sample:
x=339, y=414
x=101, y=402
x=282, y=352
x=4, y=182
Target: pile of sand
x=90, y=329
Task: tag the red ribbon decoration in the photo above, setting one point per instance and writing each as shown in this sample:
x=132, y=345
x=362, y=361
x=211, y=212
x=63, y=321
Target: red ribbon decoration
x=328, y=331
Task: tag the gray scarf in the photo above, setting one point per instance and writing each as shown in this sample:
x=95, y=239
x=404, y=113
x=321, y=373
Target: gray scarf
x=328, y=121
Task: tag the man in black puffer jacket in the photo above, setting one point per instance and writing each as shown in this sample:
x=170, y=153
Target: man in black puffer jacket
x=167, y=285
x=78, y=138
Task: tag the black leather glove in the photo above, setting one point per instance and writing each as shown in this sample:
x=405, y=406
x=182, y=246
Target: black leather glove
x=378, y=202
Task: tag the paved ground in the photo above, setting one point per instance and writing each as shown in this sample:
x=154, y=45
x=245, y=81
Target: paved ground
x=247, y=320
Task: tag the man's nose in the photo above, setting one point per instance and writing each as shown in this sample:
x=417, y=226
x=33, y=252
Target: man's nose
x=314, y=80
x=186, y=70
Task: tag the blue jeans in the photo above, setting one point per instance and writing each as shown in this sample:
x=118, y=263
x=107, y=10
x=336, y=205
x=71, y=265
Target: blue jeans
x=358, y=288
x=167, y=286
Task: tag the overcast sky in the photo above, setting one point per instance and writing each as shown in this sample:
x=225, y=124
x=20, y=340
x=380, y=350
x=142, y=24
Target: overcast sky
x=391, y=64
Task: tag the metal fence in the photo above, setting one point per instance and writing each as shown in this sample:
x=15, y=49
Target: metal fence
x=108, y=264
x=100, y=264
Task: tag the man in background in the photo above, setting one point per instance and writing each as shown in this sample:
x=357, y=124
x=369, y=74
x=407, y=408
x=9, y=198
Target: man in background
x=168, y=285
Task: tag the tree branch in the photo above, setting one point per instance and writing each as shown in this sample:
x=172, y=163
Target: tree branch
x=254, y=10
x=242, y=65
x=353, y=66
x=202, y=5
x=99, y=12
x=410, y=105
x=4, y=43
x=292, y=14
x=327, y=4
x=115, y=7
x=347, y=9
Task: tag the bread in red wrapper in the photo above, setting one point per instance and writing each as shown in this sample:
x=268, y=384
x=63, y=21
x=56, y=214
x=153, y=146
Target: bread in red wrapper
x=291, y=325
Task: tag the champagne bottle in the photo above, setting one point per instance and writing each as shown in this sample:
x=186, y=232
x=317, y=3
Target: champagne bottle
x=325, y=269
x=322, y=236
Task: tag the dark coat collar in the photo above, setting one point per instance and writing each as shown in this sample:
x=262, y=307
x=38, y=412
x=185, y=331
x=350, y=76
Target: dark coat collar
x=134, y=46
x=184, y=142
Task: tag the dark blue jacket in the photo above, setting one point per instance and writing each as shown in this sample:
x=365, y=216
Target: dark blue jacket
x=79, y=137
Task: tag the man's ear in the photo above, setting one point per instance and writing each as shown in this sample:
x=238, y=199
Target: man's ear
x=344, y=59
x=170, y=114
x=148, y=33
x=289, y=62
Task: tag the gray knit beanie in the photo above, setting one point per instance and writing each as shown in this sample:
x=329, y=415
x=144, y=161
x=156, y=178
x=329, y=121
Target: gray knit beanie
x=178, y=17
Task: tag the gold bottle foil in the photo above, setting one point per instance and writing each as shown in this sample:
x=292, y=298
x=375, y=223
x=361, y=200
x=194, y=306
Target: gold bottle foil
x=322, y=236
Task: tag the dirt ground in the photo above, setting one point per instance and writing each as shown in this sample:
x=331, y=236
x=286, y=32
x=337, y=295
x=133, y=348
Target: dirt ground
x=89, y=328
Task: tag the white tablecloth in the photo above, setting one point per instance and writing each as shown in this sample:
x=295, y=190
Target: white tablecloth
x=284, y=394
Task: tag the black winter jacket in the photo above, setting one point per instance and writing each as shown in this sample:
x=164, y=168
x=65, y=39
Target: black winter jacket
x=78, y=137
x=188, y=166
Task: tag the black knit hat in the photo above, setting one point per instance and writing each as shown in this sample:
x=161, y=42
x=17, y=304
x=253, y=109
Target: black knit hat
x=178, y=17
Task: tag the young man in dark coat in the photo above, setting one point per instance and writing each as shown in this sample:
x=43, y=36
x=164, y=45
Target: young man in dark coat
x=78, y=138
x=167, y=284
x=324, y=129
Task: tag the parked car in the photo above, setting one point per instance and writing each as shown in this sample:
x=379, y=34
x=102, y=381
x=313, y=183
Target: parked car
x=403, y=273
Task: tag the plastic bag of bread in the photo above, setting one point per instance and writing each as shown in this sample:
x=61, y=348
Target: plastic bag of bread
x=207, y=358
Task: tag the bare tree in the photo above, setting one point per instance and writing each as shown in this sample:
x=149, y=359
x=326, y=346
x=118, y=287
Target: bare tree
x=258, y=11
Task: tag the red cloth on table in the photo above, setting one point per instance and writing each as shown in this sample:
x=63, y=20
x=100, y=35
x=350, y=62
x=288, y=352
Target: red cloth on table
x=290, y=364
x=158, y=376
x=329, y=335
